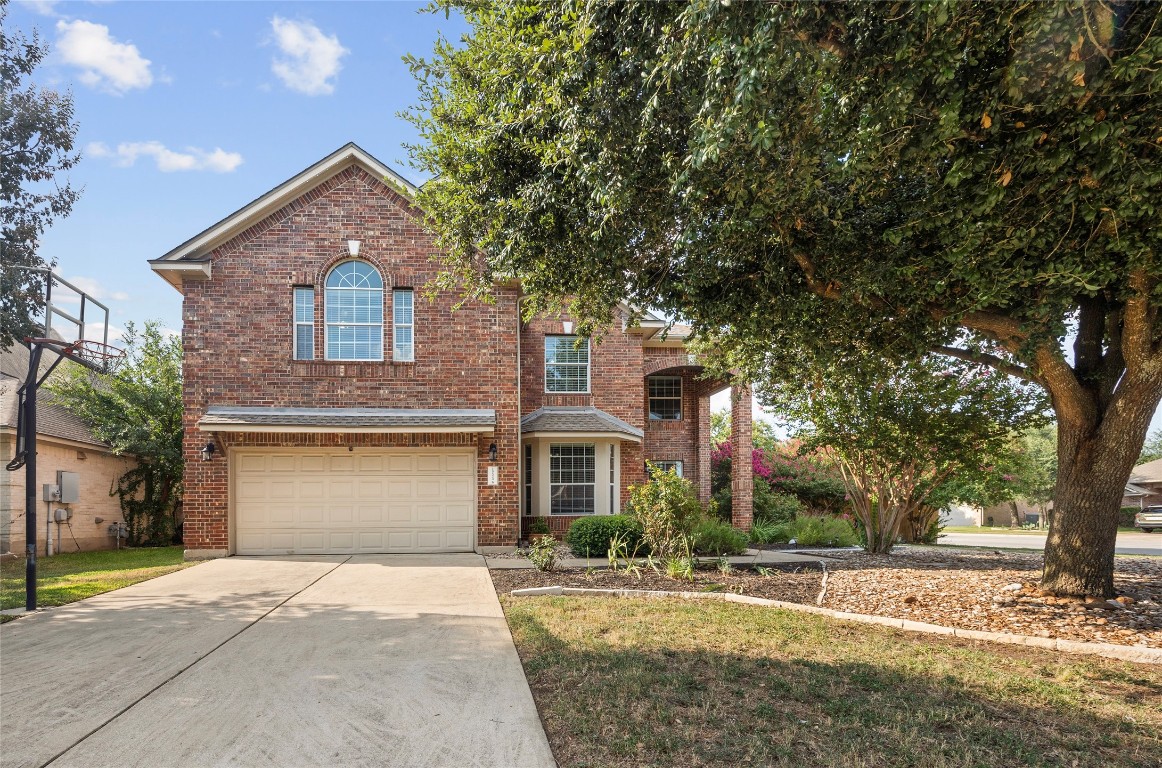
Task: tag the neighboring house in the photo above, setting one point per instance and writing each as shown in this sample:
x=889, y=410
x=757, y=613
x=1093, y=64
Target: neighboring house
x=348, y=413
x=65, y=444
x=1145, y=486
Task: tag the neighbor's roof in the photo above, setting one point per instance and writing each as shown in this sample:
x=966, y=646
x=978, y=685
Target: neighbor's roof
x=561, y=419
x=1136, y=490
x=222, y=418
x=1150, y=472
x=52, y=419
x=190, y=258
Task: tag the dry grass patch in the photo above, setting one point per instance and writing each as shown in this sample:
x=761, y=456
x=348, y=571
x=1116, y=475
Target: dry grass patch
x=631, y=682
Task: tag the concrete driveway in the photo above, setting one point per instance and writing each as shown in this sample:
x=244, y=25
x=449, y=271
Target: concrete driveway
x=311, y=661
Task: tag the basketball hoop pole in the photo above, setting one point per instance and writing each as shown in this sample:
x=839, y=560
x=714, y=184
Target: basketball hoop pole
x=30, y=384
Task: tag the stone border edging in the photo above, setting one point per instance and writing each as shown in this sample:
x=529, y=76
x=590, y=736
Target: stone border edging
x=1132, y=653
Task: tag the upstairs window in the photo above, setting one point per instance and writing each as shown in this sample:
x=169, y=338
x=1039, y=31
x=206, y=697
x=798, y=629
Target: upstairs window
x=304, y=338
x=403, y=317
x=665, y=398
x=354, y=312
x=566, y=364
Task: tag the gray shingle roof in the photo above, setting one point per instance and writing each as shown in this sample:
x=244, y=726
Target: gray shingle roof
x=561, y=418
x=224, y=418
x=52, y=419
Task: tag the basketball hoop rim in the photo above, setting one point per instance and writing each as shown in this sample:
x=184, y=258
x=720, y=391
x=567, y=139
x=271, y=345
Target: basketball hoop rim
x=92, y=354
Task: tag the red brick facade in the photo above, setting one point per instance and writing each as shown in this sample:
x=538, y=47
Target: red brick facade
x=238, y=334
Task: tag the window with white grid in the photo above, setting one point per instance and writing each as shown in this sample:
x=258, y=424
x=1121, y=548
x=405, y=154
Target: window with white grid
x=304, y=338
x=572, y=479
x=354, y=312
x=666, y=466
x=665, y=398
x=403, y=323
x=566, y=364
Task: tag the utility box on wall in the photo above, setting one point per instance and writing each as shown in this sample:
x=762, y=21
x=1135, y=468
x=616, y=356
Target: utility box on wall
x=69, y=485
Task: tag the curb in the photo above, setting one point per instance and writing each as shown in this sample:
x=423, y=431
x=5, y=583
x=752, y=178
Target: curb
x=1132, y=653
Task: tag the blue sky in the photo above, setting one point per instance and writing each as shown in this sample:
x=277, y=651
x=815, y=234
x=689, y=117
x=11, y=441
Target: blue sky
x=190, y=110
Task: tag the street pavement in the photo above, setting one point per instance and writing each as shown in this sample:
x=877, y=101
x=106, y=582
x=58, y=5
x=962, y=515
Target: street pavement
x=1137, y=543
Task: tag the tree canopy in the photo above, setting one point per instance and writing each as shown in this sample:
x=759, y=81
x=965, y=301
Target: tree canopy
x=36, y=145
x=137, y=410
x=979, y=179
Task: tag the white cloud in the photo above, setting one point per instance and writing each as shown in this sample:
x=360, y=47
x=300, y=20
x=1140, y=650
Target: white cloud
x=105, y=64
x=167, y=160
x=42, y=7
x=94, y=288
x=311, y=59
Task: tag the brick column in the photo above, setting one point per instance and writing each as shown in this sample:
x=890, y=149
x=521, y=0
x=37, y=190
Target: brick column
x=742, y=472
x=704, y=444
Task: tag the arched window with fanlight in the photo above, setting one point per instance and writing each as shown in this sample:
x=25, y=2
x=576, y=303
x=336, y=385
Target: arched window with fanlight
x=354, y=312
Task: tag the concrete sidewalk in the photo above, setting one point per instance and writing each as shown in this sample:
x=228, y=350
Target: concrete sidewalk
x=368, y=660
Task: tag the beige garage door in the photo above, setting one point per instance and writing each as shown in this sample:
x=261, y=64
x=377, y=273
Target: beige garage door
x=335, y=501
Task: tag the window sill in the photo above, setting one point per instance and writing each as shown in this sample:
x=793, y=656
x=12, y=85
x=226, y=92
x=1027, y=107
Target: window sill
x=356, y=368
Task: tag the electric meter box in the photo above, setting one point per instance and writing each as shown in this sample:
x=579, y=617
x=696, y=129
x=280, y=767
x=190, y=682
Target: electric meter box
x=69, y=484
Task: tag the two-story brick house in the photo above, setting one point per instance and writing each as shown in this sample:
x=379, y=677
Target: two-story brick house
x=330, y=407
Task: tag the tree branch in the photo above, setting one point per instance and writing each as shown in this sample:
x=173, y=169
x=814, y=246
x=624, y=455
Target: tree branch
x=1137, y=328
x=998, y=363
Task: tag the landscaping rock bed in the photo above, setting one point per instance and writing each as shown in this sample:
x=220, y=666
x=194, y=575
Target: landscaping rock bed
x=990, y=591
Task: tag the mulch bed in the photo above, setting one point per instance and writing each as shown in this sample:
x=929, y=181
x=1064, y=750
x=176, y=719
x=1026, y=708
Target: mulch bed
x=954, y=588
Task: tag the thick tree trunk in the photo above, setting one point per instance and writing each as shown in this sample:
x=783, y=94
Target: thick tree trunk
x=1093, y=468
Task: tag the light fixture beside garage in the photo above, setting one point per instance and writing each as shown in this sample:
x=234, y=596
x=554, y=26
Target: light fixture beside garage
x=209, y=450
x=492, y=453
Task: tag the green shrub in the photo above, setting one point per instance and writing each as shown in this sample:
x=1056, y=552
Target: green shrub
x=590, y=536
x=775, y=507
x=1126, y=517
x=542, y=553
x=667, y=508
x=714, y=537
x=765, y=532
x=538, y=526
x=817, y=531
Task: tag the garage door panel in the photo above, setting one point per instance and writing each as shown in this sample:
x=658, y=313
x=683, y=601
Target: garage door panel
x=362, y=501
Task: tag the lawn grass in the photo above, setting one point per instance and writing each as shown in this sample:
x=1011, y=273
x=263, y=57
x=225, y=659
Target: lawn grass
x=633, y=682
x=67, y=578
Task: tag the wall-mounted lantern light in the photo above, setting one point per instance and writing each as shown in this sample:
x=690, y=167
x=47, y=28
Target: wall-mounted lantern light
x=492, y=453
x=353, y=248
x=209, y=451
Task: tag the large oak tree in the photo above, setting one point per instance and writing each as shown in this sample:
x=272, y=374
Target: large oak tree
x=977, y=179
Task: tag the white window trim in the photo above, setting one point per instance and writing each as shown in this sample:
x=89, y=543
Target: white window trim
x=296, y=323
x=650, y=398
x=675, y=463
x=588, y=366
x=594, y=485
x=395, y=326
x=327, y=325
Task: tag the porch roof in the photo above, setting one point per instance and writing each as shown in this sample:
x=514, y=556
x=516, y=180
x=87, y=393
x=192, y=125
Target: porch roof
x=578, y=420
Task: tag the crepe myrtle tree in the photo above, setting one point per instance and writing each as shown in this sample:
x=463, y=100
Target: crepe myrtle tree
x=900, y=433
x=977, y=179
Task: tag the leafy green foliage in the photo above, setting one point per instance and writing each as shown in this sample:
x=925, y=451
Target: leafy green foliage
x=543, y=553
x=815, y=531
x=589, y=536
x=667, y=508
x=37, y=131
x=714, y=537
x=1153, y=447
x=899, y=434
x=137, y=410
x=538, y=525
x=976, y=179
